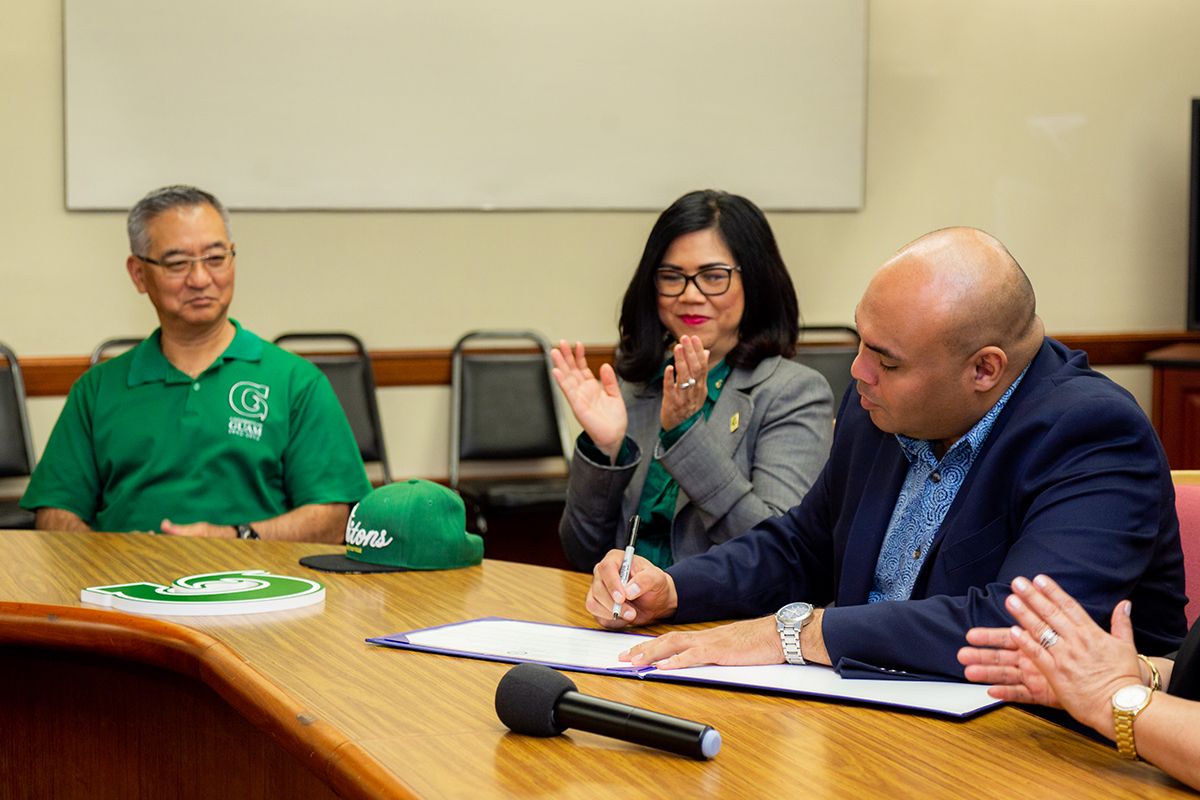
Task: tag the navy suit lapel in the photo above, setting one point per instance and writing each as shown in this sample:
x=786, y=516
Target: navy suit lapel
x=967, y=515
x=869, y=524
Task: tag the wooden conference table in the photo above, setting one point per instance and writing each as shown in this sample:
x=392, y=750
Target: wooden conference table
x=101, y=704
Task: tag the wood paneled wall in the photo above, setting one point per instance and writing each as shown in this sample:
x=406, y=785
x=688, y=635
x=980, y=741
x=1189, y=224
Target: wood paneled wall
x=49, y=376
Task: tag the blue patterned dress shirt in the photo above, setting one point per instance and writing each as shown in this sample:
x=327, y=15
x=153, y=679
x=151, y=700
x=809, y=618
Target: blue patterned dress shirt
x=928, y=491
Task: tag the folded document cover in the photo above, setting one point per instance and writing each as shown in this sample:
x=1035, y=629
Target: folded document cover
x=594, y=650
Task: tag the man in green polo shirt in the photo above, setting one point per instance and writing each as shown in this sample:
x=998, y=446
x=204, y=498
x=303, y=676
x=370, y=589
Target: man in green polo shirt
x=203, y=429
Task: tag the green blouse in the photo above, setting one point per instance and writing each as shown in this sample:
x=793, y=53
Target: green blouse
x=660, y=492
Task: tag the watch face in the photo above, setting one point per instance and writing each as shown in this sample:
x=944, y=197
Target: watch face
x=1131, y=698
x=794, y=613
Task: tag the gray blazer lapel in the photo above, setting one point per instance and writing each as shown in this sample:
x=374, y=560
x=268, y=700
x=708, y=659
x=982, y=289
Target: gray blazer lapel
x=733, y=412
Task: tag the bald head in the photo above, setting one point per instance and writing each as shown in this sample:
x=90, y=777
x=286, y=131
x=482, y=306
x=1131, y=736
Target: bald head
x=947, y=325
x=969, y=286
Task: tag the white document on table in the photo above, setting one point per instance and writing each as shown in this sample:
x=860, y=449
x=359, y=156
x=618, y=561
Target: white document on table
x=594, y=650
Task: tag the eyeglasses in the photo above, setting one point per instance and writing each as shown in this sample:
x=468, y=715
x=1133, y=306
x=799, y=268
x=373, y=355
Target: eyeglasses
x=179, y=267
x=711, y=281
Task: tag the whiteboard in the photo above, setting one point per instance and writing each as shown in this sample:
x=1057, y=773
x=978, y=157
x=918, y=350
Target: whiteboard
x=466, y=104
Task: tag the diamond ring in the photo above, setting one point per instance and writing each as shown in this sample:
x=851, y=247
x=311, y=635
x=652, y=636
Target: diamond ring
x=1049, y=637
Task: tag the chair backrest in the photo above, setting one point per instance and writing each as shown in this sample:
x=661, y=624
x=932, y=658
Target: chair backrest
x=348, y=368
x=504, y=405
x=113, y=347
x=1187, y=506
x=830, y=350
x=16, y=445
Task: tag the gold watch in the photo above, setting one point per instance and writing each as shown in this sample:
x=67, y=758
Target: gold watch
x=1127, y=703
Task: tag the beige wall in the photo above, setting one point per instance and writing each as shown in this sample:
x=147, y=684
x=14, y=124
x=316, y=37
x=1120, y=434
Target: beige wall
x=1059, y=126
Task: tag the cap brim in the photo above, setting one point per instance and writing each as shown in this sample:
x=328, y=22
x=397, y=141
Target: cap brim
x=336, y=562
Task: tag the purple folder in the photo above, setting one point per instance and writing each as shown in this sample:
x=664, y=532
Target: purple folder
x=538, y=643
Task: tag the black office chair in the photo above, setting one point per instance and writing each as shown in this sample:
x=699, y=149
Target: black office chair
x=830, y=350
x=113, y=347
x=344, y=360
x=16, y=445
x=505, y=410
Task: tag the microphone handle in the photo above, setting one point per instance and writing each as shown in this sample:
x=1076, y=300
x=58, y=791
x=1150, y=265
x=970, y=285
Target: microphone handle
x=637, y=725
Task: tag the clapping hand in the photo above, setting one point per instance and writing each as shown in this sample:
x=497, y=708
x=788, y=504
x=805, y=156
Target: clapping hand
x=685, y=383
x=596, y=404
x=1056, y=655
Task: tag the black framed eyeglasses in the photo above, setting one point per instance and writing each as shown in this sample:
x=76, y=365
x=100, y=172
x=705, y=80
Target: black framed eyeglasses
x=178, y=267
x=711, y=281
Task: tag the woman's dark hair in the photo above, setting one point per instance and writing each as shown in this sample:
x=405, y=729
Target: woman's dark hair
x=770, y=322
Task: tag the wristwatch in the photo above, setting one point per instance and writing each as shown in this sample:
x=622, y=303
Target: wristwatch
x=1127, y=703
x=244, y=531
x=788, y=621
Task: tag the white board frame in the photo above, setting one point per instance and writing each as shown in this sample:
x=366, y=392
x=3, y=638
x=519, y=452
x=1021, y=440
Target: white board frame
x=466, y=104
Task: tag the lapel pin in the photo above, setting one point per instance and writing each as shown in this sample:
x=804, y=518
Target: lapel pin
x=733, y=422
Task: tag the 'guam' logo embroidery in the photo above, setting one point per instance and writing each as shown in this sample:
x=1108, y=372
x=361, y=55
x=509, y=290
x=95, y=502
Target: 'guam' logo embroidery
x=249, y=400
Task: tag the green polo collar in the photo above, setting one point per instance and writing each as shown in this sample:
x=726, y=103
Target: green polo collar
x=151, y=366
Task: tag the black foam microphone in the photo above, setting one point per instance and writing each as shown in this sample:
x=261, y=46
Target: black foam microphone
x=537, y=701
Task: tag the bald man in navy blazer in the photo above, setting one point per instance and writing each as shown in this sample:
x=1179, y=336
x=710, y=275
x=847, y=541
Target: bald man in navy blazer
x=971, y=450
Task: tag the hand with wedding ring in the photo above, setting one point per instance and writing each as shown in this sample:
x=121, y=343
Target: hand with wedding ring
x=1048, y=637
x=1056, y=655
x=685, y=383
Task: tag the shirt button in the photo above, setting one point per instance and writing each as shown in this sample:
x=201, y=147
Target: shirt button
x=195, y=387
x=935, y=476
x=917, y=553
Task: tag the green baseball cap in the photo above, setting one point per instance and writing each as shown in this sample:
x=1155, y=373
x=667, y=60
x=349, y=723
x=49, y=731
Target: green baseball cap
x=402, y=526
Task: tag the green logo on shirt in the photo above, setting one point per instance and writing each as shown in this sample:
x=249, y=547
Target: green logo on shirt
x=249, y=591
x=249, y=400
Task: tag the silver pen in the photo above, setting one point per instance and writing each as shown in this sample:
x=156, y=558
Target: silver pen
x=627, y=563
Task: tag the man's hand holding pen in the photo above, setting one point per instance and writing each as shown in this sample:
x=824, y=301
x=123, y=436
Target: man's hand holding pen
x=649, y=594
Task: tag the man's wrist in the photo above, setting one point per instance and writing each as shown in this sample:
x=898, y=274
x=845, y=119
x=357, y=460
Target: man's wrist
x=812, y=640
x=790, y=621
x=672, y=596
x=780, y=654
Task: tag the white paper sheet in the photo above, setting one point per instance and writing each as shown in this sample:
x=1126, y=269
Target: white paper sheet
x=595, y=650
x=531, y=641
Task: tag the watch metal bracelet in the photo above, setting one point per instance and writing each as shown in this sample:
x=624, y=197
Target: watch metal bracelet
x=790, y=636
x=1127, y=703
x=1123, y=725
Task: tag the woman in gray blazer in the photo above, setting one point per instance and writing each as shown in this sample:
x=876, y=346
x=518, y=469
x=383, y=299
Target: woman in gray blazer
x=705, y=428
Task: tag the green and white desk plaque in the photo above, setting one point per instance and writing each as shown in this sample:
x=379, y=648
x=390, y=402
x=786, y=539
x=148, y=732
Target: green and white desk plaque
x=248, y=591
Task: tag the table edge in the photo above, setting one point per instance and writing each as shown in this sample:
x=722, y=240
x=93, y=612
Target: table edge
x=316, y=743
